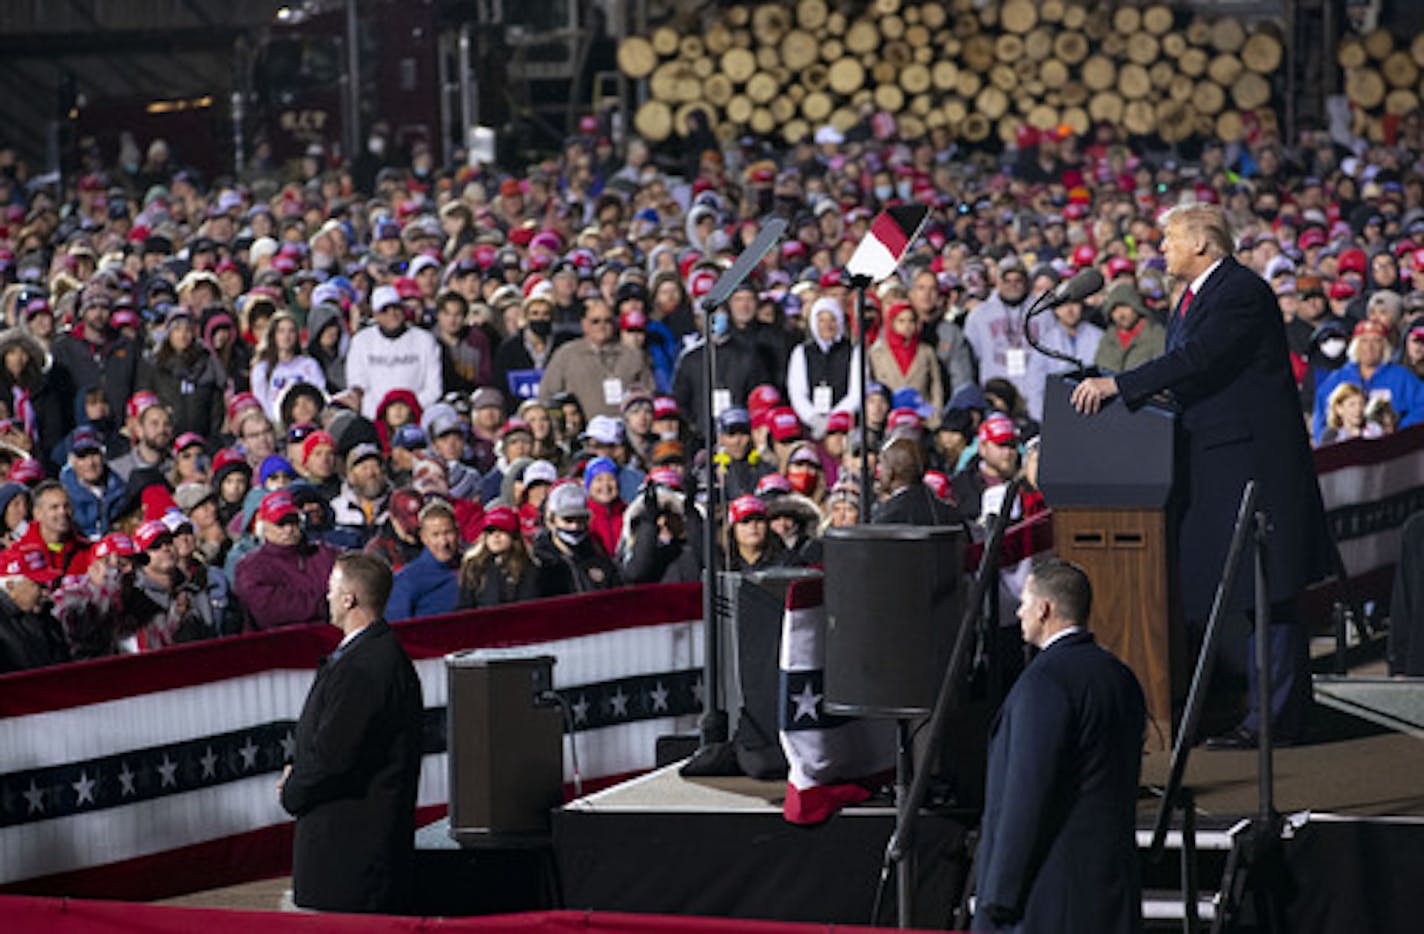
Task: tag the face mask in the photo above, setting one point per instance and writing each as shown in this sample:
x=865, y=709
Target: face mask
x=322, y=260
x=884, y=192
x=1267, y=214
x=377, y=145
x=541, y=329
x=393, y=333
x=802, y=483
x=1332, y=348
x=572, y=537
x=720, y=322
x=904, y=190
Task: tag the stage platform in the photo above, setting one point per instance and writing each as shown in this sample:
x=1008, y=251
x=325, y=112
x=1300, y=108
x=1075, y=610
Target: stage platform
x=719, y=846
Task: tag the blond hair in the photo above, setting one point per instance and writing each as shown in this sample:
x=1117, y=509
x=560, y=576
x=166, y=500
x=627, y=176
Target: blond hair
x=1338, y=395
x=1207, y=221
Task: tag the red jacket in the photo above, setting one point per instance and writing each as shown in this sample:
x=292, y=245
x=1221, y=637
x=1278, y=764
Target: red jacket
x=70, y=559
x=606, y=523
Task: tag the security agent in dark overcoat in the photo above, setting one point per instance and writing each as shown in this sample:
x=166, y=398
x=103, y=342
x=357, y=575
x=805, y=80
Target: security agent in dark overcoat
x=1057, y=852
x=1226, y=365
x=352, y=787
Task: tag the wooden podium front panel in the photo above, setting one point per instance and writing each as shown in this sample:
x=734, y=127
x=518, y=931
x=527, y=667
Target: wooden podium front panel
x=1126, y=555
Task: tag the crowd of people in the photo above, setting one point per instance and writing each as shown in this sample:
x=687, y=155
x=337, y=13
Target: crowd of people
x=494, y=380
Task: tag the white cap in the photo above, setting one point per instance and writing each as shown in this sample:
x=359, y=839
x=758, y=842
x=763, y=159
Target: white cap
x=540, y=472
x=605, y=429
x=384, y=295
x=829, y=136
x=261, y=248
x=421, y=262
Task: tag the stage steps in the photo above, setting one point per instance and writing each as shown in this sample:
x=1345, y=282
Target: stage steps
x=1162, y=903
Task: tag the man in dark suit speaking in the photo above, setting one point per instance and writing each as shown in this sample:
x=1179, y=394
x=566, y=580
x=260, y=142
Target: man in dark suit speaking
x=1226, y=365
x=352, y=781
x=1057, y=851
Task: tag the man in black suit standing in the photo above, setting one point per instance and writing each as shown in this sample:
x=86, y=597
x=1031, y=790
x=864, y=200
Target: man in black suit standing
x=901, y=470
x=1057, y=851
x=351, y=784
x=1226, y=365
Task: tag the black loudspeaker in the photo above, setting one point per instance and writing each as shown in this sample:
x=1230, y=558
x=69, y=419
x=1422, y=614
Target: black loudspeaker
x=894, y=598
x=505, y=744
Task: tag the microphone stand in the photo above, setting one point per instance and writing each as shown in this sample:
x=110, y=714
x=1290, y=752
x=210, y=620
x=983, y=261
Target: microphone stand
x=1080, y=369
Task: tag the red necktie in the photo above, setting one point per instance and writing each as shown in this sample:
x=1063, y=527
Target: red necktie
x=1186, y=302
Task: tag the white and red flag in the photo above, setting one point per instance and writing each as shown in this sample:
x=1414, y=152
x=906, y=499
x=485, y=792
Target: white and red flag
x=887, y=240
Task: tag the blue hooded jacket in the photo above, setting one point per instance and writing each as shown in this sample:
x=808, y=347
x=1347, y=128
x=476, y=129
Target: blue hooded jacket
x=93, y=514
x=424, y=587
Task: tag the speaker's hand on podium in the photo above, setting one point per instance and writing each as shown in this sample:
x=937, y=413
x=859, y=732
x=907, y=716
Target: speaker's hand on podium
x=1091, y=393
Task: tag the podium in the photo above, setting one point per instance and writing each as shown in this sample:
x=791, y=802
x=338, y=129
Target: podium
x=1108, y=478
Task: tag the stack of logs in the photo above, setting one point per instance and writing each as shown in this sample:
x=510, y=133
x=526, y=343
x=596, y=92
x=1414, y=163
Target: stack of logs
x=976, y=67
x=1381, y=81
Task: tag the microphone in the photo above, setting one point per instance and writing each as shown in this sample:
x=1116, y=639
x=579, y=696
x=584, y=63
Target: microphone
x=1075, y=289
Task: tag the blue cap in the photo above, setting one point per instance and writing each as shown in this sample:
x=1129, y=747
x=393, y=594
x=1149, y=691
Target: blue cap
x=85, y=439
x=386, y=230
x=908, y=397
x=408, y=436
x=968, y=396
x=274, y=464
x=734, y=418
x=598, y=465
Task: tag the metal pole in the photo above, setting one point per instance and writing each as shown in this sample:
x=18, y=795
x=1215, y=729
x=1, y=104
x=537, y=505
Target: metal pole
x=866, y=499
x=714, y=719
x=1190, y=921
x=469, y=103
x=351, y=138
x=1265, y=761
x=239, y=162
x=904, y=776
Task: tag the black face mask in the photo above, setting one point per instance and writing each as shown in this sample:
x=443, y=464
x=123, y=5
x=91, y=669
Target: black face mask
x=541, y=329
x=1267, y=214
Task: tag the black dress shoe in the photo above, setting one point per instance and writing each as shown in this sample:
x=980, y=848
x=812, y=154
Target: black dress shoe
x=1239, y=738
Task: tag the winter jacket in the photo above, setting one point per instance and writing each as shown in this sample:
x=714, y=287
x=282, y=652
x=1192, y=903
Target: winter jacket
x=739, y=371
x=834, y=365
x=606, y=523
x=347, y=511
x=1145, y=345
x=586, y=370
x=588, y=567
x=497, y=589
x=173, y=613
x=466, y=364
x=377, y=364
x=269, y=380
x=45, y=395
x=923, y=375
x=93, y=514
x=29, y=640
x=284, y=586
x=424, y=587
x=191, y=386
x=71, y=558
x=391, y=548
x=113, y=365
x=649, y=560
x=333, y=365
